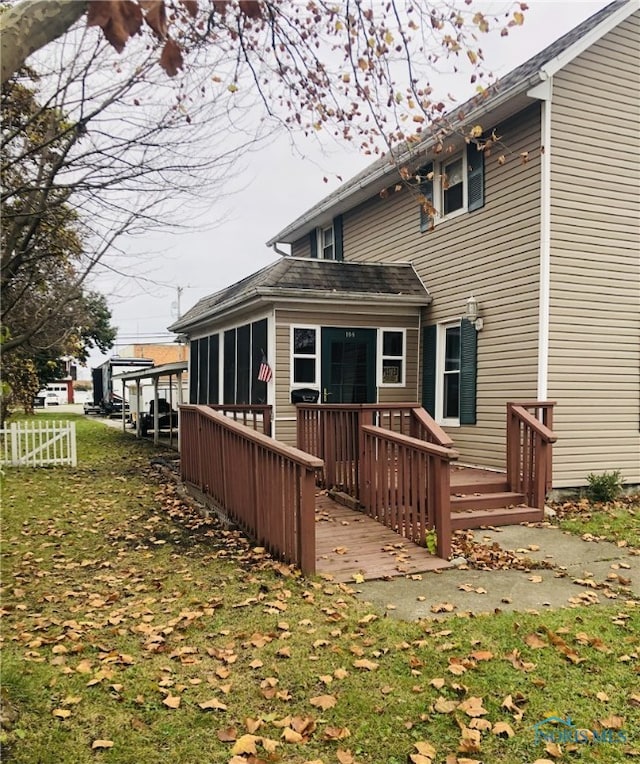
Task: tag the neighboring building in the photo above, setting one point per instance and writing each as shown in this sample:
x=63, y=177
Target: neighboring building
x=525, y=285
x=159, y=354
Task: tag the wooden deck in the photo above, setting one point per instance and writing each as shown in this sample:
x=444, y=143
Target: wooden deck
x=348, y=544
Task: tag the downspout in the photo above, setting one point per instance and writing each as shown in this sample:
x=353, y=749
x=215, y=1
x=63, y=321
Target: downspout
x=280, y=252
x=544, y=93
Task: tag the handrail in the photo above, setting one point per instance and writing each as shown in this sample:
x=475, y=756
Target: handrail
x=535, y=424
x=417, y=443
x=247, y=413
x=295, y=454
x=529, y=450
x=266, y=487
x=405, y=484
x=433, y=429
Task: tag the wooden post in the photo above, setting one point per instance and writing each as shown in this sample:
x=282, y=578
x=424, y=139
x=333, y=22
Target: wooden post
x=363, y=480
x=443, y=509
x=306, y=530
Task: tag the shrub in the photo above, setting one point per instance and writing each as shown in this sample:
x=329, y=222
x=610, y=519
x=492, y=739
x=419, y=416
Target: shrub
x=604, y=487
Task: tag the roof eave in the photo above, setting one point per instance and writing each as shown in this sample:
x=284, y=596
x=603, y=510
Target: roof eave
x=362, y=298
x=500, y=107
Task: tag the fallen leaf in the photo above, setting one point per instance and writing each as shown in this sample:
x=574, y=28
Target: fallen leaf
x=323, y=701
x=291, y=736
x=102, y=744
x=245, y=744
x=503, y=729
x=61, y=713
x=345, y=757
x=211, y=705
x=365, y=664
x=172, y=701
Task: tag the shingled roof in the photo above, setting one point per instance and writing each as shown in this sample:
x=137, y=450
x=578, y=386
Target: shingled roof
x=323, y=279
x=512, y=87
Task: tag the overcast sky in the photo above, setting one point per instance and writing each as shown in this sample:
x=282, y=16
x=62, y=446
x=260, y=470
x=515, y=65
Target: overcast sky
x=278, y=185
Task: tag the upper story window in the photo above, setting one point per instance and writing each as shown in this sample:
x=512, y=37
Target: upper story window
x=325, y=242
x=452, y=186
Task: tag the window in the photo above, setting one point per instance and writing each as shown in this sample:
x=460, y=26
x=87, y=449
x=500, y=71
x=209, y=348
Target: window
x=304, y=343
x=325, y=242
x=244, y=348
x=451, y=187
x=453, y=191
x=391, y=351
x=203, y=370
x=449, y=372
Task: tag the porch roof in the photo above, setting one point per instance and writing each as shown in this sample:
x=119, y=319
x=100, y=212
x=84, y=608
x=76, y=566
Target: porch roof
x=305, y=279
x=153, y=372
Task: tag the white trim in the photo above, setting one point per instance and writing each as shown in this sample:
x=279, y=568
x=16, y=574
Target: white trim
x=316, y=383
x=544, y=92
x=438, y=190
x=586, y=41
x=440, y=354
x=380, y=356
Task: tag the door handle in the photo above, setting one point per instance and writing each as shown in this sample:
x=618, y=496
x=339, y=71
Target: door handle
x=325, y=395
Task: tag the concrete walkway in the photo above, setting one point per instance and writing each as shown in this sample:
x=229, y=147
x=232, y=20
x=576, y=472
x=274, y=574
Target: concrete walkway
x=582, y=573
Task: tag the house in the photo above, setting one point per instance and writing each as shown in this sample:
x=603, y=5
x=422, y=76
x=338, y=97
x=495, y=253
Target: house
x=512, y=273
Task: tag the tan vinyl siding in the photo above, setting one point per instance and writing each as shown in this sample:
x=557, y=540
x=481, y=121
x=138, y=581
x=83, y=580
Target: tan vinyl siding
x=594, y=355
x=492, y=253
x=386, y=316
x=301, y=248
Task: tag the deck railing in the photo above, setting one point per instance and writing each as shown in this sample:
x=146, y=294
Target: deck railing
x=529, y=449
x=265, y=487
x=334, y=433
x=256, y=416
x=404, y=484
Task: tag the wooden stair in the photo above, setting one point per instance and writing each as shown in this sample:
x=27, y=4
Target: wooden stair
x=480, y=498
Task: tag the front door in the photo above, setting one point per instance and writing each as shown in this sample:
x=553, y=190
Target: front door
x=348, y=366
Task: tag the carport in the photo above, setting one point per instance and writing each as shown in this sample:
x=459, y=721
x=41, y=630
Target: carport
x=166, y=372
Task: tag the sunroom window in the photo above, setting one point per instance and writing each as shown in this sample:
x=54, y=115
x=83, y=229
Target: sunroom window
x=392, y=357
x=305, y=356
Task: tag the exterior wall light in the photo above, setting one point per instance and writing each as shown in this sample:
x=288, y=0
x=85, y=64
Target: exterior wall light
x=472, y=313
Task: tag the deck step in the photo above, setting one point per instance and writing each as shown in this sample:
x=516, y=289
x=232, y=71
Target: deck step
x=478, y=518
x=498, y=485
x=485, y=500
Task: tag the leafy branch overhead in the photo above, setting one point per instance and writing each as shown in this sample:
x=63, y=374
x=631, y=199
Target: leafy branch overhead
x=361, y=71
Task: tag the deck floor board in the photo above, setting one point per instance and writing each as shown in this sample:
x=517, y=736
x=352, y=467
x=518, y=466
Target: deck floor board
x=349, y=543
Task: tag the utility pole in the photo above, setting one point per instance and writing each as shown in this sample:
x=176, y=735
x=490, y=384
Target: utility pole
x=179, y=291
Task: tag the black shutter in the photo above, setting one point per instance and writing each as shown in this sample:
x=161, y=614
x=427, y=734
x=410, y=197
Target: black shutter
x=429, y=369
x=426, y=190
x=468, y=371
x=337, y=238
x=313, y=243
x=475, y=178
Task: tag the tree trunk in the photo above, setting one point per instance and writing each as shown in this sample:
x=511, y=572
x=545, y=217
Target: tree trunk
x=30, y=25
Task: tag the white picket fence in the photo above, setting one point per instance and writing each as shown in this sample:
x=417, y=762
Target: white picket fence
x=38, y=444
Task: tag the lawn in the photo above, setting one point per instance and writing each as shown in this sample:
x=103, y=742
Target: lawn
x=617, y=521
x=136, y=631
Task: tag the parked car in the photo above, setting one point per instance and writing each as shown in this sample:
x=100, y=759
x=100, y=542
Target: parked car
x=167, y=417
x=51, y=399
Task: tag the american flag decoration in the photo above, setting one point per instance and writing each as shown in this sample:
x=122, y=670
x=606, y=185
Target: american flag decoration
x=264, y=372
